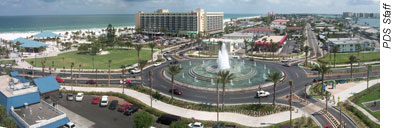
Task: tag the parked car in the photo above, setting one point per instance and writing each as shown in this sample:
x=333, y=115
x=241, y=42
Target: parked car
x=176, y=91
x=131, y=110
x=169, y=58
x=167, y=119
x=287, y=65
x=96, y=100
x=70, y=96
x=195, y=125
x=91, y=82
x=174, y=62
x=79, y=97
x=113, y=104
x=262, y=93
x=135, y=71
x=60, y=95
x=157, y=64
x=124, y=107
x=69, y=125
x=59, y=80
x=328, y=126
x=104, y=101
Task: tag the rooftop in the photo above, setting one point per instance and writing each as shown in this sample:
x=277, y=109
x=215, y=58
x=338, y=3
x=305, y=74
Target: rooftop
x=25, y=43
x=10, y=86
x=37, y=113
x=239, y=34
x=259, y=29
x=46, y=84
x=46, y=35
x=280, y=20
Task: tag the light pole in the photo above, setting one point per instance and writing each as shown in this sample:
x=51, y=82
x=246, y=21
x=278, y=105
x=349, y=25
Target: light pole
x=338, y=101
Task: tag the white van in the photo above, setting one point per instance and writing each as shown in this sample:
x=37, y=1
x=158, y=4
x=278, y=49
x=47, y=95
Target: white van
x=104, y=101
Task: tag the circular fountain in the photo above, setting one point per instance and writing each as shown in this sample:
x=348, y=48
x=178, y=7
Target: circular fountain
x=203, y=73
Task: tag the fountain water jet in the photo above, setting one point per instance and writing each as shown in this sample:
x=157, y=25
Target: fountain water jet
x=223, y=58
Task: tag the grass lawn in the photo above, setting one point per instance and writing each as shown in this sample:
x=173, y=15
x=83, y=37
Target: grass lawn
x=370, y=94
x=343, y=58
x=12, y=62
x=118, y=56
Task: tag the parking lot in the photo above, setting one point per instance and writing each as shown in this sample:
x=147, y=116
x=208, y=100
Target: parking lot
x=101, y=116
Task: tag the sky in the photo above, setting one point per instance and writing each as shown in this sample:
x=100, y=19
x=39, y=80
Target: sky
x=80, y=7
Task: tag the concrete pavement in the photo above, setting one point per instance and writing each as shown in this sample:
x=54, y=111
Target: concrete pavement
x=201, y=115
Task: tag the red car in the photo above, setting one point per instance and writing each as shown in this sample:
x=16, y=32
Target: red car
x=127, y=81
x=91, y=82
x=96, y=100
x=328, y=126
x=124, y=107
x=59, y=80
x=176, y=91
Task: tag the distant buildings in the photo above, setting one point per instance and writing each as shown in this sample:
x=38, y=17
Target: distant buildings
x=238, y=35
x=349, y=44
x=193, y=22
x=360, y=15
x=280, y=22
x=259, y=31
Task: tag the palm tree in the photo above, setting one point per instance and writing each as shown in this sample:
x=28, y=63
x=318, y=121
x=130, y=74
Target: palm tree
x=245, y=45
x=369, y=69
x=142, y=64
x=43, y=66
x=323, y=69
x=290, y=102
x=336, y=48
x=152, y=46
x=138, y=48
x=151, y=88
x=123, y=67
x=79, y=71
x=218, y=79
x=109, y=72
x=275, y=77
x=352, y=59
x=173, y=70
x=358, y=48
x=225, y=77
x=306, y=50
x=72, y=66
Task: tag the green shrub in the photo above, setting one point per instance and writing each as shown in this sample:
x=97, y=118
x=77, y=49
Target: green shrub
x=143, y=120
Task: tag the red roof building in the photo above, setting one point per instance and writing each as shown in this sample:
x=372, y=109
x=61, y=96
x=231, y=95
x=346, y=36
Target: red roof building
x=280, y=21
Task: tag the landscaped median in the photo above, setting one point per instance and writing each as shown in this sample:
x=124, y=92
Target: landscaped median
x=160, y=107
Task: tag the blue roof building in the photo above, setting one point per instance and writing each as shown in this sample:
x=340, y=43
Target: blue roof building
x=23, y=103
x=25, y=43
x=46, y=84
x=45, y=35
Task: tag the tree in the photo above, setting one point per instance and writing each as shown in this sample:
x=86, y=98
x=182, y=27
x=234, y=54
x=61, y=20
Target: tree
x=274, y=77
x=218, y=79
x=323, y=69
x=352, y=59
x=142, y=64
x=83, y=48
x=369, y=69
x=109, y=72
x=151, y=88
x=138, y=48
x=143, y=119
x=41, y=49
x=225, y=77
x=358, y=47
x=290, y=101
x=72, y=66
x=306, y=50
x=336, y=48
x=245, y=45
x=43, y=66
x=152, y=45
x=111, y=33
x=173, y=70
x=123, y=67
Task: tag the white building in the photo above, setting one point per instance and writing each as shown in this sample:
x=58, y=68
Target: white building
x=349, y=44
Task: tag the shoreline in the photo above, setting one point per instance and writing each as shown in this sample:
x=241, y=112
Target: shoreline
x=14, y=35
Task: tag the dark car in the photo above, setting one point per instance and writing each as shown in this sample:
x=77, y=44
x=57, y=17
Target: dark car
x=174, y=62
x=91, y=82
x=314, y=69
x=131, y=110
x=60, y=95
x=167, y=119
x=113, y=104
x=29, y=72
x=176, y=91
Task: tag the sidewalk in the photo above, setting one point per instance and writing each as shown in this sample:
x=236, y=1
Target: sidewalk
x=201, y=115
x=344, y=91
x=365, y=112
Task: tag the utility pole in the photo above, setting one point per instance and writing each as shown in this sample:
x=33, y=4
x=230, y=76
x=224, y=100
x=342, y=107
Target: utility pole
x=290, y=102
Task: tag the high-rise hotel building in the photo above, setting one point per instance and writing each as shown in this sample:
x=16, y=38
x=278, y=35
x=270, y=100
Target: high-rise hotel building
x=193, y=22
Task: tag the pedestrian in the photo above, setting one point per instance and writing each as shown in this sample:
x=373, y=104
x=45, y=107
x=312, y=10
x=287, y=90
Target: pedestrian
x=375, y=103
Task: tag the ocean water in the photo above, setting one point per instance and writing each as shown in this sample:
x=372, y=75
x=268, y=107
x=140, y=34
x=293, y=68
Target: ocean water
x=369, y=21
x=72, y=22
